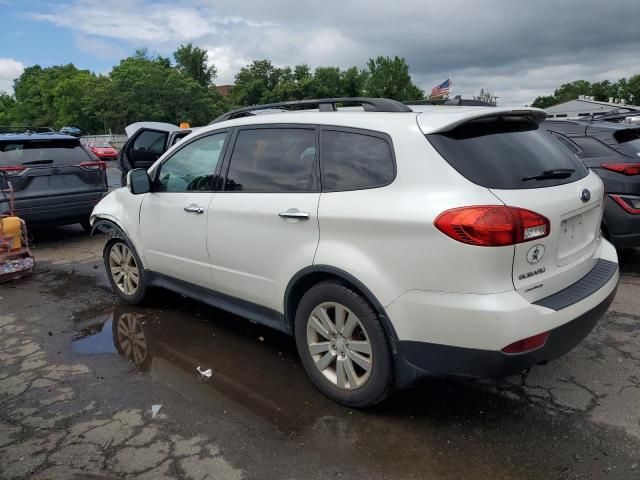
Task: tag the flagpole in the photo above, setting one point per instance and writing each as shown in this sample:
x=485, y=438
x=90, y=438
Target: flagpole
x=450, y=85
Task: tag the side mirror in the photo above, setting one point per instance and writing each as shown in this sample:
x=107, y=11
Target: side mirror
x=138, y=181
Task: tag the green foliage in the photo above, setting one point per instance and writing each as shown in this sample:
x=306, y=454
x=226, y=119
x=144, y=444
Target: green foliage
x=629, y=90
x=193, y=61
x=544, y=102
x=262, y=82
x=7, y=104
x=389, y=77
x=146, y=86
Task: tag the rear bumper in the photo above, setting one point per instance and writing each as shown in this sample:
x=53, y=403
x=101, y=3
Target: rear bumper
x=59, y=210
x=444, y=359
x=456, y=333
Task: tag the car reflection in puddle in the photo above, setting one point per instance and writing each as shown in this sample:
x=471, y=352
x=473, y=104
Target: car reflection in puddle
x=256, y=377
x=247, y=371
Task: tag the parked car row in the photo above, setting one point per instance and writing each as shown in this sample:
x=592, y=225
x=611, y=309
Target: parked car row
x=612, y=150
x=391, y=242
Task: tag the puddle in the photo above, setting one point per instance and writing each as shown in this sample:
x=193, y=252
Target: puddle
x=255, y=376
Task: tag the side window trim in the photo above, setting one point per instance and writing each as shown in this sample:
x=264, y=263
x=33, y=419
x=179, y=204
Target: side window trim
x=225, y=149
x=358, y=131
x=233, y=138
x=566, y=140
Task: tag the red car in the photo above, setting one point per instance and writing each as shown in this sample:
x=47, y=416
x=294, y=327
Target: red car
x=104, y=152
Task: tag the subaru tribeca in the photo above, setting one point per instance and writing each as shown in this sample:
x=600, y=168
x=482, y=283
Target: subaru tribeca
x=391, y=243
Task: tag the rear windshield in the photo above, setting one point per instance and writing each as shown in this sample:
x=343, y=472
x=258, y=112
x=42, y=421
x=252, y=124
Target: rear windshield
x=629, y=140
x=507, y=153
x=42, y=152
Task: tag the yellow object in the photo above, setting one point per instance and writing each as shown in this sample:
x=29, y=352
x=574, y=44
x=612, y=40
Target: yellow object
x=12, y=227
x=185, y=125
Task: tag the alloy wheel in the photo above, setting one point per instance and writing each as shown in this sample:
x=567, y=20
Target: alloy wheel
x=131, y=338
x=339, y=345
x=124, y=269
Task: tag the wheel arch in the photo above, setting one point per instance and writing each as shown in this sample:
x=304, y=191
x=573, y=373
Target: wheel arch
x=309, y=276
x=115, y=232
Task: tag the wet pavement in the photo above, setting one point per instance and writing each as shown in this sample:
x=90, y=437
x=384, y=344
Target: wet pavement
x=81, y=372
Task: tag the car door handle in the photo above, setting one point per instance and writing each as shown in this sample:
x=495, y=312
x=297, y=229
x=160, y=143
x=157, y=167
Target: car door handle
x=194, y=209
x=294, y=213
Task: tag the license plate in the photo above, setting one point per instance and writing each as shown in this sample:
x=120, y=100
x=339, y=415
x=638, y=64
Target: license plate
x=577, y=233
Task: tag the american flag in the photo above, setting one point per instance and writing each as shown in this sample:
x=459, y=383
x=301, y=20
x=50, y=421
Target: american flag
x=441, y=90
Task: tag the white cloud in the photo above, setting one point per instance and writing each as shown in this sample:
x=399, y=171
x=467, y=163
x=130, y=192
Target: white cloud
x=10, y=69
x=227, y=63
x=518, y=50
x=98, y=47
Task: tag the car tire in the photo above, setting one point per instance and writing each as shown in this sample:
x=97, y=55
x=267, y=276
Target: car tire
x=125, y=271
x=337, y=361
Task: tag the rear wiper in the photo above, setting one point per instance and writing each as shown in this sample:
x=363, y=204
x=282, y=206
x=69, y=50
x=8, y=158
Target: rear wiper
x=549, y=174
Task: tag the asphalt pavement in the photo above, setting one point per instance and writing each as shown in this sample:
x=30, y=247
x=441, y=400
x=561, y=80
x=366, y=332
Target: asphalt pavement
x=92, y=388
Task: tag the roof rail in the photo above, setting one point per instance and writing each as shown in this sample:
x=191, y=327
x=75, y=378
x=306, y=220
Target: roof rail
x=324, y=104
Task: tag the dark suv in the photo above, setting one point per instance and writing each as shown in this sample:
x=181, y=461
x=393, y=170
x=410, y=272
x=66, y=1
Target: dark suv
x=56, y=181
x=612, y=150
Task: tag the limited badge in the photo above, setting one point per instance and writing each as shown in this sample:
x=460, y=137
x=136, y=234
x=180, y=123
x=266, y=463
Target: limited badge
x=535, y=254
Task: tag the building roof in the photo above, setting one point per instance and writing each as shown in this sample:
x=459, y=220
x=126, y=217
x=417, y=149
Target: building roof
x=585, y=105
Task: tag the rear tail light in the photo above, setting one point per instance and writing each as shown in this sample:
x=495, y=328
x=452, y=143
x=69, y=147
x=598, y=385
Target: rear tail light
x=628, y=169
x=13, y=169
x=628, y=203
x=492, y=225
x=527, y=344
x=93, y=165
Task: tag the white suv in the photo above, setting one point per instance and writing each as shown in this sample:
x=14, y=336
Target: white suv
x=390, y=242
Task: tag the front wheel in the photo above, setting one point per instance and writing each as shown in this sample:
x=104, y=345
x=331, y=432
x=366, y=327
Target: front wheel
x=343, y=346
x=124, y=271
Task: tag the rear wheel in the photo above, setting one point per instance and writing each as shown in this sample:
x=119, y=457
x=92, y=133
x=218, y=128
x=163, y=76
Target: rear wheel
x=124, y=271
x=343, y=346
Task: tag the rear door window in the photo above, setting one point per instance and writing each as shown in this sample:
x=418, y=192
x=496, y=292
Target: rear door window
x=272, y=160
x=503, y=152
x=42, y=153
x=356, y=160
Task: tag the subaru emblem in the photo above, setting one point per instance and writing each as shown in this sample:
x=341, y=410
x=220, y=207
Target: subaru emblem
x=585, y=195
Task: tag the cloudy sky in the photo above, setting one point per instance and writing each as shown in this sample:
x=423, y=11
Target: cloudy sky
x=518, y=49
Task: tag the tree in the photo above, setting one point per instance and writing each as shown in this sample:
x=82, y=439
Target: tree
x=193, y=61
x=34, y=93
x=630, y=89
x=7, y=105
x=544, y=102
x=572, y=90
x=353, y=81
x=254, y=82
x=389, y=77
